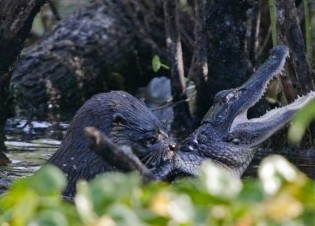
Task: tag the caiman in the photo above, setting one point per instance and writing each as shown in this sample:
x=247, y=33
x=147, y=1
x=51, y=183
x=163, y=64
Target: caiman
x=226, y=136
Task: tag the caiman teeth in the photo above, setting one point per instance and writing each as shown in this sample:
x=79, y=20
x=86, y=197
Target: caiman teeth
x=299, y=102
x=257, y=85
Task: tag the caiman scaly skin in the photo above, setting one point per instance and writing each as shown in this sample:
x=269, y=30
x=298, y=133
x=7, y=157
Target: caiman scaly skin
x=226, y=136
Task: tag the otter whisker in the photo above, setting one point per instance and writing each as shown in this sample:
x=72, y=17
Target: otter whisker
x=159, y=158
x=148, y=158
x=151, y=157
x=148, y=155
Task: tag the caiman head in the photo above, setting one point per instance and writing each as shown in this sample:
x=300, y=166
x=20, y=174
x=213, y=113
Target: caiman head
x=226, y=135
x=228, y=115
x=230, y=106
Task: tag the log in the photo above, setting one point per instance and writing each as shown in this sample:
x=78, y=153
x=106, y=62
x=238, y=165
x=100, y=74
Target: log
x=105, y=45
x=16, y=18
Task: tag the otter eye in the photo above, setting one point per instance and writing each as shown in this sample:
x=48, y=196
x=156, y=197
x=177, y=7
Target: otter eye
x=118, y=119
x=152, y=140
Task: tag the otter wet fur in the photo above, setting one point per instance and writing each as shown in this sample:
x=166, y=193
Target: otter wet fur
x=126, y=121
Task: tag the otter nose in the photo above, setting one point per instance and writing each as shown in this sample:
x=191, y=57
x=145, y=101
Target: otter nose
x=172, y=146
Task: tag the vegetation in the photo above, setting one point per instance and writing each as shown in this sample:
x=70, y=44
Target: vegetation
x=301, y=122
x=281, y=196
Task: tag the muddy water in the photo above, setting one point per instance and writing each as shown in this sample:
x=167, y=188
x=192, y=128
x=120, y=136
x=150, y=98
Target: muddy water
x=29, y=146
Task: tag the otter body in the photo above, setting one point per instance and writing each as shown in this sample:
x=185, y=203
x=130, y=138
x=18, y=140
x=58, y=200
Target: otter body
x=126, y=121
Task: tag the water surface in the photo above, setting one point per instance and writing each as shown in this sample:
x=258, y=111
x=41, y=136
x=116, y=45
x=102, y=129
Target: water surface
x=29, y=145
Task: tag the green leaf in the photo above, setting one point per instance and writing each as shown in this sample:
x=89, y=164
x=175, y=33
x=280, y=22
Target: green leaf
x=300, y=122
x=123, y=215
x=113, y=187
x=83, y=203
x=157, y=64
x=50, y=218
x=48, y=180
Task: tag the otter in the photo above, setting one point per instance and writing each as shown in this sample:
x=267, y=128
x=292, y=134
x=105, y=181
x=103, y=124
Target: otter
x=126, y=121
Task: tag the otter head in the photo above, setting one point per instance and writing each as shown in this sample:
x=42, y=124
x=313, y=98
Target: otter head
x=136, y=126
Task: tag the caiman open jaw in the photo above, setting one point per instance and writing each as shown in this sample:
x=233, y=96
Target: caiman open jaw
x=249, y=133
x=230, y=106
x=226, y=135
x=252, y=132
x=254, y=89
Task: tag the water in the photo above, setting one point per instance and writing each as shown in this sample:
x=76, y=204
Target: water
x=29, y=146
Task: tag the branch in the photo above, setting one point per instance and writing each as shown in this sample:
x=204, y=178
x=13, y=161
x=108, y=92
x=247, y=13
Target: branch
x=120, y=157
x=285, y=79
x=123, y=158
x=296, y=43
x=182, y=117
x=16, y=22
x=199, y=67
x=54, y=10
x=254, y=36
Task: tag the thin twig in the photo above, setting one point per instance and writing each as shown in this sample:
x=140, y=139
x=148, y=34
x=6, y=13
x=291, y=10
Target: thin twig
x=199, y=68
x=54, y=10
x=285, y=79
x=308, y=33
x=182, y=117
x=272, y=10
x=254, y=33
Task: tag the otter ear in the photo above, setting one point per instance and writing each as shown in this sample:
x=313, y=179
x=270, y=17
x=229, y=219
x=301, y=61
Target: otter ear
x=118, y=119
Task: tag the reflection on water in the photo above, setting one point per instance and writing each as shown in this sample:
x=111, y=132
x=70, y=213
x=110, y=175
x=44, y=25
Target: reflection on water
x=29, y=146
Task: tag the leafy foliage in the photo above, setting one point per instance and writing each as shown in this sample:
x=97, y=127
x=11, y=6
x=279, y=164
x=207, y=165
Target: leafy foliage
x=281, y=196
x=301, y=122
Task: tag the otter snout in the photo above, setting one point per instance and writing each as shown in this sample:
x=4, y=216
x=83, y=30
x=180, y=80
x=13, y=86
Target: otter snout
x=172, y=148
